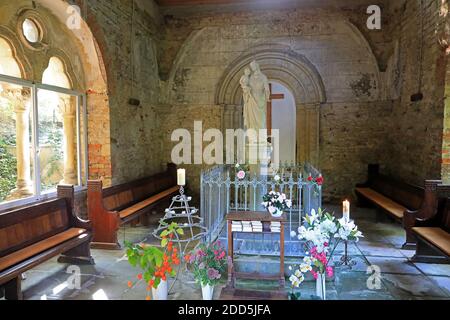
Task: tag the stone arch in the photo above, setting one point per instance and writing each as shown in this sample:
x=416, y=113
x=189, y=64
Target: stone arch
x=278, y=63
x=17, y=52
x=294, y=71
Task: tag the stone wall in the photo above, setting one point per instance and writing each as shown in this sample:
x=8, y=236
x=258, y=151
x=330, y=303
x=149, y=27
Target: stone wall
x=414, y=140
x=130, y=50
x=353, y=115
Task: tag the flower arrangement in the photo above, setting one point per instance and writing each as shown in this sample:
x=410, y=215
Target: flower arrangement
x=157, y=263
x=319, y=230
x=208, y=263
x=241, y=171
x=276, y=203
x=348, y=231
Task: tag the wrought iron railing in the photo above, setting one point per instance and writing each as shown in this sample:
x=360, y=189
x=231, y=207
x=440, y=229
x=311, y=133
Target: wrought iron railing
x=222, y=192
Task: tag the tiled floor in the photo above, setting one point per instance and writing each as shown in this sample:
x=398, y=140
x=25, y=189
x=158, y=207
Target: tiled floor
x=400, y=278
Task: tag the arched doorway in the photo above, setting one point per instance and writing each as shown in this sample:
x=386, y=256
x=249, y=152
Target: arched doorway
x=283, y=119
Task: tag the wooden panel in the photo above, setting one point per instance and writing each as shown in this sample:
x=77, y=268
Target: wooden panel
x=23, y=227
x=32, y=250
x=262, y=216
x=166, y=3
x=118, y=200
x=437, y=236
x=148, y=202
x=382, y=201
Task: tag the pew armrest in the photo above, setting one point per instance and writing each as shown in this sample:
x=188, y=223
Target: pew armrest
x=105, y=223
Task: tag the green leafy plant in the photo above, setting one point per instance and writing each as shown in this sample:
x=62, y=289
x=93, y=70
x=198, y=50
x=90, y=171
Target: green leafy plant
x=8, y=169
x=157, y=263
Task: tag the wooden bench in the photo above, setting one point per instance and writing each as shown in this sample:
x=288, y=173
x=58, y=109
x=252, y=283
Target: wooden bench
x=34, y=234
x=433, y=233
x=432, y=203
x=391, y=196
x=109, y=208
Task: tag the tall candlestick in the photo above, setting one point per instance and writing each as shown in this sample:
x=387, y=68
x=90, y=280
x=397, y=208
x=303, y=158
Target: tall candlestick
x=181, y=177
x=346, y=210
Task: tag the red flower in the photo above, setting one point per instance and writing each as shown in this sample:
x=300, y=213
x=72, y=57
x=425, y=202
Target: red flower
x=139, y=276
x=310, y=178
x=319, y=180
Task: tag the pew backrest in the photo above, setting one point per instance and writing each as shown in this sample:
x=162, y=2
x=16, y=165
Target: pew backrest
x=23, y=227
x=124, y=195
x=408, y=195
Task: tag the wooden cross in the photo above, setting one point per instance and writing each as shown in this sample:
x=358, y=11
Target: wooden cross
x=276, y=96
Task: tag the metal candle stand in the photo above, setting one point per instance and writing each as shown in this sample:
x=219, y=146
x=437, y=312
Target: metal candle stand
x=180, y=208
x=346, y=259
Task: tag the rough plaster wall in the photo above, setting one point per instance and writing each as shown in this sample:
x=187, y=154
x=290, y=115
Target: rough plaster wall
x=135, y=149
x=352, y=124
x=415, y=139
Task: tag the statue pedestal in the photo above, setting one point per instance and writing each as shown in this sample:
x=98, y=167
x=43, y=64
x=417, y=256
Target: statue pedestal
x=259, y=156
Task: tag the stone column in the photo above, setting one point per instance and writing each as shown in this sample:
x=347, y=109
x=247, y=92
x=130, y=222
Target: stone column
x=20, y=99
x=67, y=109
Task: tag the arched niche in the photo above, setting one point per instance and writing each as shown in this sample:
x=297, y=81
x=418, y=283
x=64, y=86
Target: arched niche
x=278, y=63
x=292, y=70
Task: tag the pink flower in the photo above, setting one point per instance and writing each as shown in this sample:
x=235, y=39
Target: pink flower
x=241, y=174
x=329, y=272
x=216, y=252
x=314, y=274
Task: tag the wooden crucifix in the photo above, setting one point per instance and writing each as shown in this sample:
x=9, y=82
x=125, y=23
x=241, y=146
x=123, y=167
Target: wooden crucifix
x=273, y=96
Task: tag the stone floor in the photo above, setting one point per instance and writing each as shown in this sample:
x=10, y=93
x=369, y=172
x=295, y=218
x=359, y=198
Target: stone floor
x=381, y=247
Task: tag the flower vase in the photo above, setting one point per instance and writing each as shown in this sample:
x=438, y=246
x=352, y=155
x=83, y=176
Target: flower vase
x=160, y=293
x=321, y=286
x=277, y=214
x=207, y=292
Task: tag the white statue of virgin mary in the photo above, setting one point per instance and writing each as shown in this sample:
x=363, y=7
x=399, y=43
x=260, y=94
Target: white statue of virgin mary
x=256, y=94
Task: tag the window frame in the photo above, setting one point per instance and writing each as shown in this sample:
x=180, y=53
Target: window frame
x=80, y=117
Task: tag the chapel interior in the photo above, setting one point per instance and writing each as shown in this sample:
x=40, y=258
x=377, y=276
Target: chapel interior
x=96, y=97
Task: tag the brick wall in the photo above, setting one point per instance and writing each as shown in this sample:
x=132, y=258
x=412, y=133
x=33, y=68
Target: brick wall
x=130, y=54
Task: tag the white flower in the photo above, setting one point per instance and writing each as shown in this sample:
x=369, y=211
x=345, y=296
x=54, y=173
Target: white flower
x=293, y=234
x=272, y=209
x=304, y=268
x=237, y=165
x=277, y=178
x=298, y=274
x=328, y=226
x=288, y=203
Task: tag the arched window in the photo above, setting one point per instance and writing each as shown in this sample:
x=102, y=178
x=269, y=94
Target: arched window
x=38, y=153
x=15, y=134
x=8, y=64
x=57, y=129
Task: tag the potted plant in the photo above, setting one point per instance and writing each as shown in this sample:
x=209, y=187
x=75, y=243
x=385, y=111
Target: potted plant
x=157, y=262
x=208, y=263
x=276, y=203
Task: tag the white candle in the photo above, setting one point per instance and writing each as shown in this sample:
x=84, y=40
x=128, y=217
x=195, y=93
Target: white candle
x=346, y=210
x=181, y=177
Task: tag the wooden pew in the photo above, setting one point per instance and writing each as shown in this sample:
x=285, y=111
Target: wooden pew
x=433, y=201
x=34, y=234
x=433, y=232
x=109, y=208
x=389, y=195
